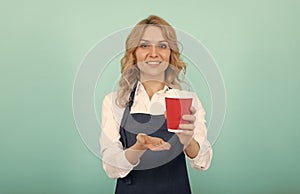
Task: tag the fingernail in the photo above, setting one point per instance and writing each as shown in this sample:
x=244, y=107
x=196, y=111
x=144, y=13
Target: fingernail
x=185, y=117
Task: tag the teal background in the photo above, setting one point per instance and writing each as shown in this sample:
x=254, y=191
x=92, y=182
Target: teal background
x=255, y=43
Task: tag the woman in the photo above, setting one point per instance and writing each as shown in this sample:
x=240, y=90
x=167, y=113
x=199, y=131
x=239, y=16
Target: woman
x=136, y=146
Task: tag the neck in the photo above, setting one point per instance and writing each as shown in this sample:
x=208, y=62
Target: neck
x=152, y=87
x=149, y=78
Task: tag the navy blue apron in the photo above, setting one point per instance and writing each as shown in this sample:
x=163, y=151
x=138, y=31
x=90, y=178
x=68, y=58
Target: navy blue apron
x=152, y=176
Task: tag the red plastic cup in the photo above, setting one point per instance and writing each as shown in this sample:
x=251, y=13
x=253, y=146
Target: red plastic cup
x=175, y=108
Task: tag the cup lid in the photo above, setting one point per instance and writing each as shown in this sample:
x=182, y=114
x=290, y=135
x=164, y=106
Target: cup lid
x=176, y=93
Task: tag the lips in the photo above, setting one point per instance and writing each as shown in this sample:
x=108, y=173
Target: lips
x=153, y=62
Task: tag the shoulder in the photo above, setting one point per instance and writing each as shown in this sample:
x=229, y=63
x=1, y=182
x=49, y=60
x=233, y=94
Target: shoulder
x=110, y=107
x=110, y=97
x=109, y=101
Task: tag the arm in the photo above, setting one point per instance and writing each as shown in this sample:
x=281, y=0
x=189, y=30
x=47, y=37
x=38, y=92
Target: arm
x=143, y=143
x=199, y=150
x=192, y=149
x=194, y=137
x=116, y=161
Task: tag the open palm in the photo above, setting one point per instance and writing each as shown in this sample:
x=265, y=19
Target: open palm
x=152, y=143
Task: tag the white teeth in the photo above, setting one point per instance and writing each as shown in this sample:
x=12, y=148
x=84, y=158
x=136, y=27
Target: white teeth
x=153, y=62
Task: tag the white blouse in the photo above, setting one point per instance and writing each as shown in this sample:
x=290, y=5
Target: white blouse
x=114, y=161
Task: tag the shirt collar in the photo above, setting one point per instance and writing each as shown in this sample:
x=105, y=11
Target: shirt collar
x=140, y=88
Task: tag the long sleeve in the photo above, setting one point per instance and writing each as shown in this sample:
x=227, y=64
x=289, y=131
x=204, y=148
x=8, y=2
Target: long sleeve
x=114, y=161
x=203, y=159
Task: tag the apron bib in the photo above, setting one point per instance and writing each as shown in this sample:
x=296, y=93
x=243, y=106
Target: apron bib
x=159, y=172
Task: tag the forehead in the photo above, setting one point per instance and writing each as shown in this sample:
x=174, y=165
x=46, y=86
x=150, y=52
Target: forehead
x=153, y=33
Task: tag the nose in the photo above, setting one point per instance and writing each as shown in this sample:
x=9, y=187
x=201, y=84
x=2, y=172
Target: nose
x=153, y=51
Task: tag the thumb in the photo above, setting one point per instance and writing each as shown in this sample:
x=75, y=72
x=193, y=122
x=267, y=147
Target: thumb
x=142, y=138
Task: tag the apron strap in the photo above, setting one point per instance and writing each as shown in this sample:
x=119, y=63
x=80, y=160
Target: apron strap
x=127, y=179
x=131, y=97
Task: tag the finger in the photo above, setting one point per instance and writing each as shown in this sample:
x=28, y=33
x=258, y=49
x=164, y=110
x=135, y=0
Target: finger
x=193, y=110
x=156, y=141
x=189, y=127
x=190, y=118
x=164, y=146
x=187, y=133
x=165, y=114
x=153, y=142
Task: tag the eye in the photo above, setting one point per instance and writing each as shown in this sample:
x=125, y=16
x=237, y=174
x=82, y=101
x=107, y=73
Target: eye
x=144, y=45
x=163, y=46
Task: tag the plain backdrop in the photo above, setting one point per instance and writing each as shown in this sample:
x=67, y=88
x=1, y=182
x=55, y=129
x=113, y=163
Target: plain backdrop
x=255, y=43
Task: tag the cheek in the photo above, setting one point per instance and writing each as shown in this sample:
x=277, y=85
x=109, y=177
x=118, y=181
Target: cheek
x=167, y=57
x=139, y=56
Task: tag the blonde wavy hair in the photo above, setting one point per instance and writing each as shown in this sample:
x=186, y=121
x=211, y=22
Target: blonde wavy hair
x=129, y=70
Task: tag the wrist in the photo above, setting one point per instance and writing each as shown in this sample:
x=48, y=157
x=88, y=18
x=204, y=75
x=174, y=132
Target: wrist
x=192, y=149
x=190, y=144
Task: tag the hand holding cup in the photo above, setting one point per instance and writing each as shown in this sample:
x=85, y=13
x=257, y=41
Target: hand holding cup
x=187, y=129
x=180, y=114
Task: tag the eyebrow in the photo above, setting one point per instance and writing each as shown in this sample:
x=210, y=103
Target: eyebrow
x=157, y=41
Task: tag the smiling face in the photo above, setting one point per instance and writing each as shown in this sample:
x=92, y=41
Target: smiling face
x=152, y=55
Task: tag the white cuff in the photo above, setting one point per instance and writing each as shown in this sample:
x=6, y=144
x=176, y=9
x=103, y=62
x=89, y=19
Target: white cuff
x=203, y=159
